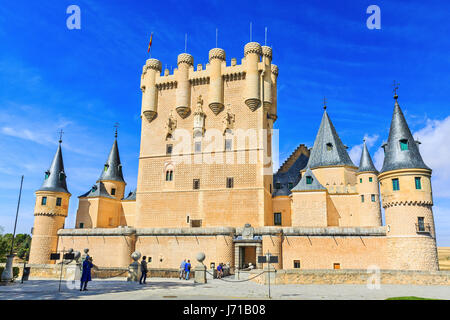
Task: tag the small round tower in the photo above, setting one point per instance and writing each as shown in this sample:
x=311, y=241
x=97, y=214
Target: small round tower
x=252, y=53
x=216, y=88
x=151, y=70
x=50, y=211
x=369, y=191
x=183, y=93
x=267, y=78
x=405, y=183
x=112, y=176
x=273, y=109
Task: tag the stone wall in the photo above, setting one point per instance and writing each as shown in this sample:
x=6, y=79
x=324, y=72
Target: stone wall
x=354, y=277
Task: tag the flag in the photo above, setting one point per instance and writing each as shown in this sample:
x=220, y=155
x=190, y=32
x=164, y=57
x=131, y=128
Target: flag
x=150, y=43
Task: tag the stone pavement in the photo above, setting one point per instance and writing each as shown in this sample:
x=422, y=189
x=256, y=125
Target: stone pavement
x=164, y=288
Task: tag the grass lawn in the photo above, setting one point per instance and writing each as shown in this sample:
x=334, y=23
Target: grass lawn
x=410, y=298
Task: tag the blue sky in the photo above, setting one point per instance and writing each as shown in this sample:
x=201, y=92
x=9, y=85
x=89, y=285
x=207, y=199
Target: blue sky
x=86, y=80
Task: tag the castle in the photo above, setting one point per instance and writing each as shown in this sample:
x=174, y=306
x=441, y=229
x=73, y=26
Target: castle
x=206, y=183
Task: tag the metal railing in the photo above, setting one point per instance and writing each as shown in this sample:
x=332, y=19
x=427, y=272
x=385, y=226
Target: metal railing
x=423, y=228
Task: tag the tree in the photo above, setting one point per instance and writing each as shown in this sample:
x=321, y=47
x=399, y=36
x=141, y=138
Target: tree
x=22, y=244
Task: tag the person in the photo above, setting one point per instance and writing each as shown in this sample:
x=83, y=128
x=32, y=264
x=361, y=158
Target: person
x=187, y=269
x=182, y=271
x=86, y=275
x=144, y=270
x=220, y=270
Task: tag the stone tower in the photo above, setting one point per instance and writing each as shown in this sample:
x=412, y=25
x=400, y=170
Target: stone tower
x=369, y=191
x=407, y=198
x=206, y=141
x=50, y=211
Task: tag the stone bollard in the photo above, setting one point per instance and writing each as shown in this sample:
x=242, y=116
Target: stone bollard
x=200, y=269
x=7, y=274
x=134, y=268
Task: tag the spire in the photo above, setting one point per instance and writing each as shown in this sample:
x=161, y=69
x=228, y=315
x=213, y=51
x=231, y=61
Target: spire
x=55, y=177
x=366, y=163
x=113, y=168
x=401, y=151
x=328, y=149
x=309, y=182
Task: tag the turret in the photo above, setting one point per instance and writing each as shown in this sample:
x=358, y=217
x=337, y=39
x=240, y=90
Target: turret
x=368, y=189
x=112, y=176
x=183, y=93
x=273, y=109
x=252, y=53
x=50, y=211
x=152, y=69
x=216, y=93
x=267, y=78
x=405, y=183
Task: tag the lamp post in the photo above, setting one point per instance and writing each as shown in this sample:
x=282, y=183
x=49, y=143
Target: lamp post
x=7, y=274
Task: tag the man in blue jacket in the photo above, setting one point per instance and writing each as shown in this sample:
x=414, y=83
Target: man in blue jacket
x=187, y=269
x=86, y=275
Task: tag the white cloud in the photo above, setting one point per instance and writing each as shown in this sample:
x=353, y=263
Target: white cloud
x=436, y=153
x=355, y=151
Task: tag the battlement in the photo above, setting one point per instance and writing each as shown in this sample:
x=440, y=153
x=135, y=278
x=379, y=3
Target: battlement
x=256, y=70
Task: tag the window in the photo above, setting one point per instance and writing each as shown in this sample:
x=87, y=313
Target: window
x=169, y=175
x=329, y=147
x=309, y=180
x=277, y=185
x=196, y=184
x=404, y=145
x=113, y=192
x=420, y=224
x=296, y=264
x=373, y=198
x=230, y=182
x=110, y=221
x=290, y=185
x=362, y=198
x=198, y=146
x=47, y=174
x=187, y=219
x=228, y=144
x=62, y=176
x=169, y=148
x=58, y=202
x=196, y=223
x=106, y=167
x=277, y=218
x=418, y=183
x=81, y=225
x=370, y=179
x=360, y=180
x=336, y=266
x=44, y=201
x=395, y=184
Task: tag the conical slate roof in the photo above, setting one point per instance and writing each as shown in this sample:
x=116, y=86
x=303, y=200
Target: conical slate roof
x=394, y=157
x=97, y=190
x=131, y=196
x=303, y=186
x=113, y=168
x=55, y=177
x=328, y=149
x=366, y=163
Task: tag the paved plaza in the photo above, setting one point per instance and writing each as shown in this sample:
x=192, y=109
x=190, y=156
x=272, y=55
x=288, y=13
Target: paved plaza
x=169, y=288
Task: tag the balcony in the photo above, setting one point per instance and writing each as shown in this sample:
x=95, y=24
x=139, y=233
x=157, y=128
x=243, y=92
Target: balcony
x=423, y=228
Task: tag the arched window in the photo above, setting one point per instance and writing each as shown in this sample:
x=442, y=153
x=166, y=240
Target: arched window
x=169, y=175
x=329, y=146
